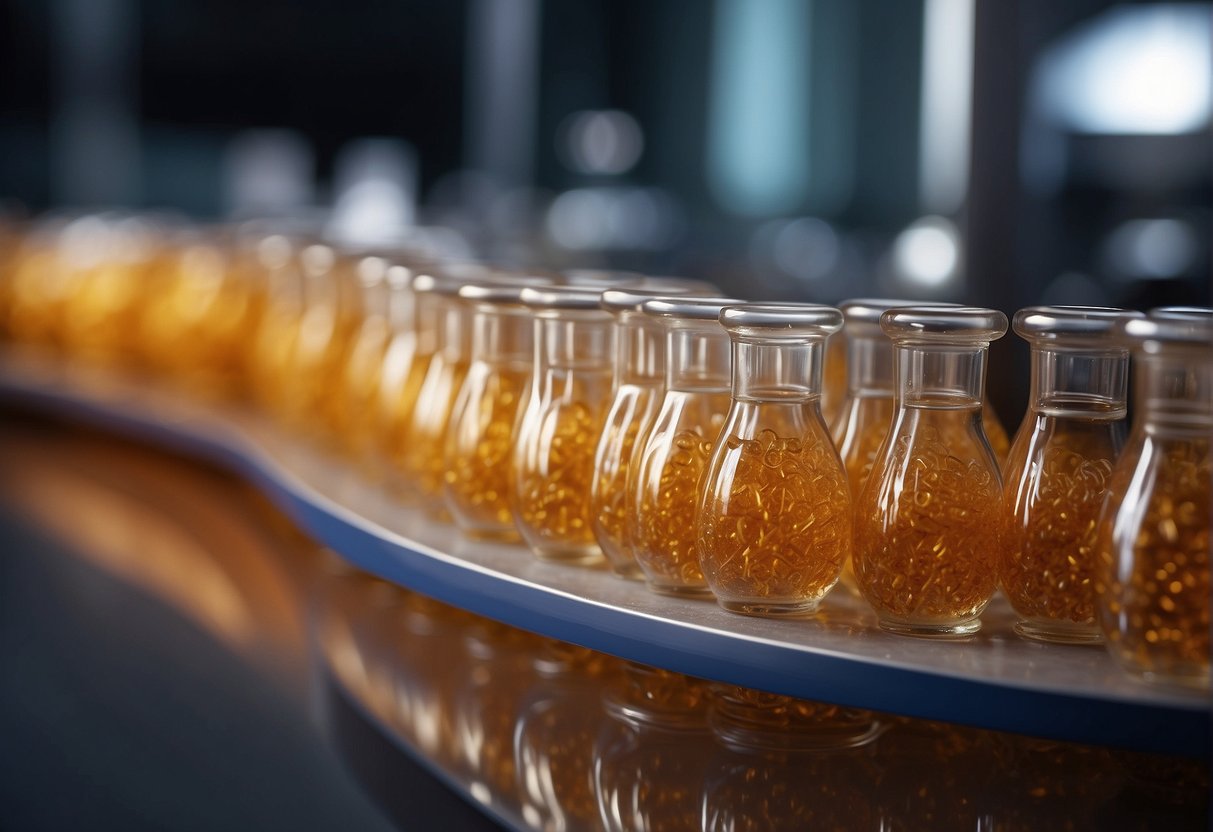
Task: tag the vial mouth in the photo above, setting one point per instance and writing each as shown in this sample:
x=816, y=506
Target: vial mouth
x=448, y=278
x=1151, y=332
x=785, y=318
x=1183, y=313
x=631, y=298
x=557, y=297
x=1042, y=323
x=944, y=324
x=689, y=307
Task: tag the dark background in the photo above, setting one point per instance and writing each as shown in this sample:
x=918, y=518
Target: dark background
x=783, y=141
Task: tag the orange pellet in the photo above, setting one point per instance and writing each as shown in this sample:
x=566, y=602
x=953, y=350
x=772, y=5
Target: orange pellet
x=1051, y=511
x=423, y=461
x=1154, y=578
x=926, y=526
x=776, y=520
x=631, y=413
x=478, y=448
x=662, y=525
x=554, y=466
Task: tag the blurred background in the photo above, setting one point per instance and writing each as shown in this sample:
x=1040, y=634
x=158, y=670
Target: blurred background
x=996, y=152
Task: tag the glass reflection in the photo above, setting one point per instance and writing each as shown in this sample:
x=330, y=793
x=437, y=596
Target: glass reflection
x=552, y=736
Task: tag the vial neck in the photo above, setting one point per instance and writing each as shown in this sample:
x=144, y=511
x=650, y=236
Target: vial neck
x=870, y=367
x=454, y=330
x=574, y=341
x=1174, y=389
x=698, y=358
x=1083, y=383
x=942, y=376
x=774, y=370
x=639, y=351
x=502, y=336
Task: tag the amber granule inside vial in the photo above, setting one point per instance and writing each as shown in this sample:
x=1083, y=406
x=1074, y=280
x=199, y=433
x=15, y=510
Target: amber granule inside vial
x=926, y=532
x=631, y=411
x=1000, y=442
x=479, y=444
x=1049, y=536
x=552, y=499
x=780, y=526
x=397, y=399
x=663, y=522
x=423, y=461
x=1156, y=598
x=859, y=451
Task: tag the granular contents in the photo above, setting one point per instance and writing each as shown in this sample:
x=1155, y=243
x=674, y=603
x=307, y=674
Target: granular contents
x=632, y=411
x=776, y=519
x=554, y=467
x=360, y=388
x=478, y=449
x=663, y=528
x=1049, y=535
x=397, y=399
x=926, y=524
x=996, y=434
x=859, y=445
x=1154, y=575
x=423, y=460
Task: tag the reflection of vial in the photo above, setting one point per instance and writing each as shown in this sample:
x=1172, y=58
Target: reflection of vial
x=553, y=458
x=671, y=461
x=479, y=437
x=926, y=521
x=1153, y=547
x=649, y=758
x=636, y=392
x=774, y=517
x=1057, y=473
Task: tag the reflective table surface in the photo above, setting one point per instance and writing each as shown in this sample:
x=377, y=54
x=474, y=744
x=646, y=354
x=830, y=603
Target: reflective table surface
x=181, y=656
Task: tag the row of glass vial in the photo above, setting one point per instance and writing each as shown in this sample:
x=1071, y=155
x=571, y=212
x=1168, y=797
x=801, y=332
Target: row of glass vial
x=714, y=470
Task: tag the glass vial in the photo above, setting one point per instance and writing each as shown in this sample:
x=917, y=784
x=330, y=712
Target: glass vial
x=1152, y=578
x=360, y=376
x=925, y=549
x=774, y=515
x=1057, y=473
x=479, y=438
x=639, y=373
x=675, y=453
x=553, y=457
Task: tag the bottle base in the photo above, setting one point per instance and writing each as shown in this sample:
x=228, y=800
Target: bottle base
x=679, y=590
x=572, y=554
x=1055, y=633
x=953, y=630
x=770, y=609
x=491, y=535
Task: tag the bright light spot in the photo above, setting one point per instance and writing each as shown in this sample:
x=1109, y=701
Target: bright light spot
x=601, y=142
x=1134, y=70
x=928, y=252
x=578, y=219
x=374, y=184
x=268, y=172
x=1157, y=249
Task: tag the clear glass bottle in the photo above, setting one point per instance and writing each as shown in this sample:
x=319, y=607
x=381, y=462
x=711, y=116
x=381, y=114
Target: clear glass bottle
x=423, y=462
x=774, y=512
x=555, y=439
x=407, y=366
x=674, y=455
x=926, y=553
x=867, y=409
x=479, y=440
x=639, y=373
x=360, y=375
x=1152, y=577
x=1057, y=473
x=274, y=341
